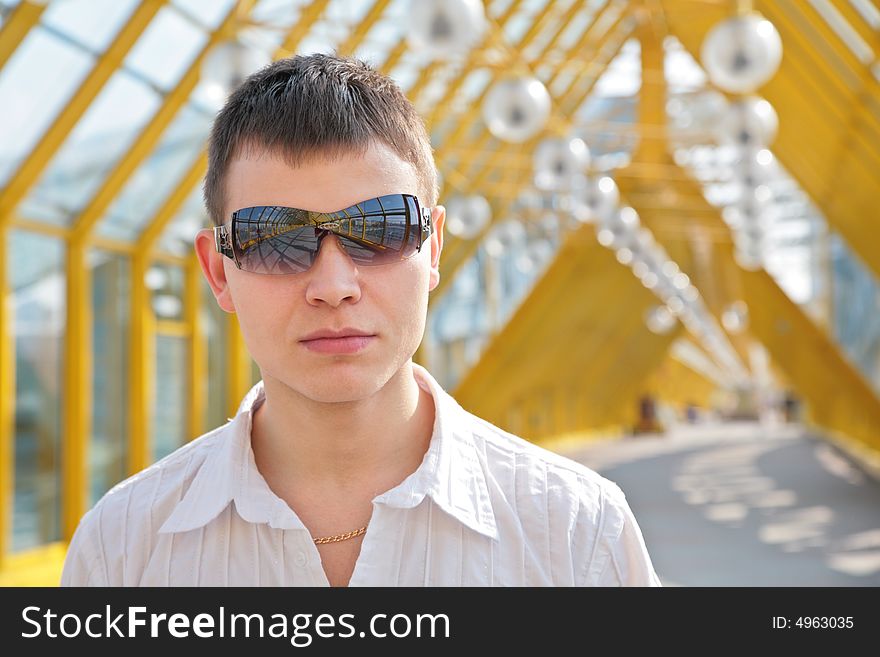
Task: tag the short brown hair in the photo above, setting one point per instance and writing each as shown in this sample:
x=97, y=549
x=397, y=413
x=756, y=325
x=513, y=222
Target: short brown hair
x=308, y=106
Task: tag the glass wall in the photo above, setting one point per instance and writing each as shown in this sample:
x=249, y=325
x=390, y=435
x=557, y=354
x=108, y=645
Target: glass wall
x=111, y=283
x=171, y=395
x=35, y=267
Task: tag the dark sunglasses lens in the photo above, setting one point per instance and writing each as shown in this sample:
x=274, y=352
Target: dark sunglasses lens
x=379, y=231
x=274, y=240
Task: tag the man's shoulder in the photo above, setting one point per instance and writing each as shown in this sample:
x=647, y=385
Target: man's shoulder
x=504, y=449
x=159, y=484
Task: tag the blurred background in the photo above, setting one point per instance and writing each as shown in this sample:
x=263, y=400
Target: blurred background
x=661, y=254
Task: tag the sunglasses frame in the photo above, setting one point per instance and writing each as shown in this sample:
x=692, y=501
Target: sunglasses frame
x=223, y=234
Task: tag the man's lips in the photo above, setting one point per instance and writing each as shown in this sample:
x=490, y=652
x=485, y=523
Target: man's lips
x=344, y=345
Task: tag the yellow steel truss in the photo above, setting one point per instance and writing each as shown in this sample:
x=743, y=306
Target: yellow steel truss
x=16, y=28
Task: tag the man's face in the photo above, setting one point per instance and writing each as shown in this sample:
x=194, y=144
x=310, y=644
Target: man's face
x=276, y=312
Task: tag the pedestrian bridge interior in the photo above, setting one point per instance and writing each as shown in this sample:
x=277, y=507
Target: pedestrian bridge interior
x=661, y=237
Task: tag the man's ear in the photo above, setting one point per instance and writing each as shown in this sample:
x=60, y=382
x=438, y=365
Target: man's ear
x=438, y=218
x=213, y=268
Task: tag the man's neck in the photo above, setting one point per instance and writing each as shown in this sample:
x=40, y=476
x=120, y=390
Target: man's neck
x=360, y=447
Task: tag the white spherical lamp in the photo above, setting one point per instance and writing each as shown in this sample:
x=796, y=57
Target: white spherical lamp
x=467, y=216
x=742, y=53
x=595, y=199
x=445, y=29
x=749, y=123
x=229, y=63
x=516, y=109
x=557, y=161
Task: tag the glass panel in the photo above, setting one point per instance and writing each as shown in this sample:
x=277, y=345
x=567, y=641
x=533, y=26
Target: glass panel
x=94, y=23
x=95, y=146
x=6, y=7
x=171, y=395
x=166, y=49
x=181, y=231
x=148, y=188
x=36, y=271
x=214, y=322
x=41, y=75
x=111, y=275
x=166, y=283
x=209, y=13
x=385, y=34
x=856, y=309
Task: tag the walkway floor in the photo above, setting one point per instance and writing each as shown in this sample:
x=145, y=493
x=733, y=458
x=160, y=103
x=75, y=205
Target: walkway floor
x=747, y=505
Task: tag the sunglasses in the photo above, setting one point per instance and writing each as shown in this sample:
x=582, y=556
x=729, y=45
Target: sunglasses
x=272, y=239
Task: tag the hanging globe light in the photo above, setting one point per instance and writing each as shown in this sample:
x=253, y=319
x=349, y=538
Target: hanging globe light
x=550, y=225
x=516, y=108
x=754, y=168
x=748, y=241
x=749, y=123
x=445, y=29
x=227, y=65
x=749, y=258
x=558, y=160
x=618, y=230
x=541, y=251
x=595, y=199
x=659, y=320
x=467, y=216
x=742, y=53
x=735, y=317
x=504, y=236
x=642, y=244
x=752, y=207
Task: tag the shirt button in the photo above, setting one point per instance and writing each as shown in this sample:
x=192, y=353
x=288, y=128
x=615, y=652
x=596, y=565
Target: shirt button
x=301, y=559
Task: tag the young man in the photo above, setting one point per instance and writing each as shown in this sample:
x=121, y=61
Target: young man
x=347, y=464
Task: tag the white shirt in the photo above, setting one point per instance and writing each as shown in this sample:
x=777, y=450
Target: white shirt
x=484, y=508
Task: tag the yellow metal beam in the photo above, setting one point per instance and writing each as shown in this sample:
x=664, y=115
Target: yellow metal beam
x=17, y=27
x=675, y=383
x=143, y=321
x=844, y=99
x=616, y=401
x=858, y=411
x=530, y=313
x=493, y=39
x=142, y=364
x=308, y=16
x=358, y=34
x=459, y=251
x=77, y=398
x=582, y=336
x=837, y=394
x=855, y=20
x=593, y=39
x=239, y=372
x=29, y=171
x=548, y=334
x=471, y=63
x=152, y=132
x=586, y=370
x=548, y=339
x=7, y=401
x=198, y=350
x=826, y=41
x=810, y=100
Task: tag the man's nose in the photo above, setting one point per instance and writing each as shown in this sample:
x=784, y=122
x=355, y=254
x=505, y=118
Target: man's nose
x=333, y=276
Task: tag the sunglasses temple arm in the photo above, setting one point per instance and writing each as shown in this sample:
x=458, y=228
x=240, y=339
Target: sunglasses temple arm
x=222, y=242
x=427, y=228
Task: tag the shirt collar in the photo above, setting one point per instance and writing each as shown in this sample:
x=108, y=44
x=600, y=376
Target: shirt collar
x=451, y=473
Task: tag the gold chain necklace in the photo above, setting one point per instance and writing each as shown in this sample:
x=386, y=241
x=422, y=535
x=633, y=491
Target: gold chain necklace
x=341, y=537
